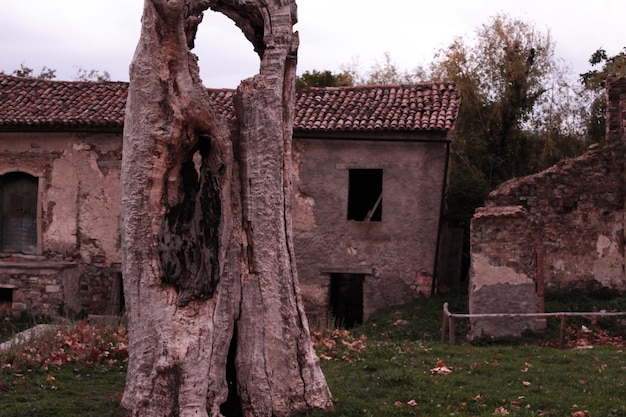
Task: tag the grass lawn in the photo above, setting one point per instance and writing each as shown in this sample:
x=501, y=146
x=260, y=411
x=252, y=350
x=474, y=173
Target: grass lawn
x=394, y=365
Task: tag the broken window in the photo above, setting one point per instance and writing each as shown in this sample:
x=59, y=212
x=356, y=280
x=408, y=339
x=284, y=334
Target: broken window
x=18, y=211
x=346, y=299
x=365, y=195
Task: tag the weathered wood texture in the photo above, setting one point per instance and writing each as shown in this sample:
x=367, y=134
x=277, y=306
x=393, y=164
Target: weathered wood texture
x=208, y=258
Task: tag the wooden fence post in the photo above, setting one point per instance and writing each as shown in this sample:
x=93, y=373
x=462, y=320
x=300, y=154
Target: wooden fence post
x=451, y=331
x=562, y=333
x=444, y=324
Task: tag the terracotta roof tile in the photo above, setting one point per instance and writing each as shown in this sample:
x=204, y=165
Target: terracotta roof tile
x=33, y=103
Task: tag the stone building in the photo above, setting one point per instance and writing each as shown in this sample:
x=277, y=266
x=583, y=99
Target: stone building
x=370, y=178
x=563, y=227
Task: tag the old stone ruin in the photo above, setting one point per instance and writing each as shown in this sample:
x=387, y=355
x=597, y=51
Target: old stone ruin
x=563, y=227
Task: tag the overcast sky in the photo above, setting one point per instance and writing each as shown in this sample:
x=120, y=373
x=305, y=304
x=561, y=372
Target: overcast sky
x=102, y=34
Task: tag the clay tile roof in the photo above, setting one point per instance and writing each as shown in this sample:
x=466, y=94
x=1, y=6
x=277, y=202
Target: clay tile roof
x=413, y=107
x=43, y=104
x=28, y=102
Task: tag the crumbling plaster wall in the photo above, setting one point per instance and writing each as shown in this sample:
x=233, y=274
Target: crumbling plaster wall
x=578, y=206
x=80, y=225
x=503, y=272
x=391, y=253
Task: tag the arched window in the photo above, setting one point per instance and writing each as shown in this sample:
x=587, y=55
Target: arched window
x=18, y=211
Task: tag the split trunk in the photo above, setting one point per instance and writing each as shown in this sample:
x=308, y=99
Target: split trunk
x=216, y=323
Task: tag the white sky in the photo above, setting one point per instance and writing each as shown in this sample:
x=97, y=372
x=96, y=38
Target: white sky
x=102, y=34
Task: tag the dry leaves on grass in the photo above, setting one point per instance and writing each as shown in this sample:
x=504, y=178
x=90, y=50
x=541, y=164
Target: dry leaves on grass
x=441, y=368
x=330, y=344
x=81, y=343
x=501, y=411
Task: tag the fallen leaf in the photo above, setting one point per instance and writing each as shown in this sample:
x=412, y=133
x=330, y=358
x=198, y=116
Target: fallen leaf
x=398, y=403
x=501, y=411
x=441, y=370
x=526, y=383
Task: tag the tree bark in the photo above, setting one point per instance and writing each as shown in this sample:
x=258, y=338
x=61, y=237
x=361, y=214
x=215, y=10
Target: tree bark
x=209, y=272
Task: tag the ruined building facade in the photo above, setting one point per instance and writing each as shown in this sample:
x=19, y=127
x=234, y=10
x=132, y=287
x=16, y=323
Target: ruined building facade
x=370, y=175
x=563, y=227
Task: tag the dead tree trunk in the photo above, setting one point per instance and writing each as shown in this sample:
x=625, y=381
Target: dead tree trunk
x=209, y=273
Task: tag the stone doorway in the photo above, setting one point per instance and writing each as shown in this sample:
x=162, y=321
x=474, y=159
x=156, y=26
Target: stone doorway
x=346, y=299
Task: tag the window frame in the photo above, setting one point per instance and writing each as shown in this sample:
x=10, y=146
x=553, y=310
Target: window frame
x=356, y=195
x=38, y=250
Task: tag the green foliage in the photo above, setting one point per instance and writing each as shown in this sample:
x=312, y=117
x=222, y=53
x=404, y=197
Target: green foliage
x=518, y=113
x=50, y=74
x=26, y=72
x=91, y=75
x=326, y=78
x=387, y=72
x=593, y=82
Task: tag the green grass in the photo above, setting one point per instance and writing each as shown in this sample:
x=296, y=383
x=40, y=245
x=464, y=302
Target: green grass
x=526, y=380
x=71, y=390
x=384, y=368
x=10, y=326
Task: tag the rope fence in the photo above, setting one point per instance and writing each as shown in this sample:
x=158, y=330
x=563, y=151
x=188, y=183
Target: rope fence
x=447, y=327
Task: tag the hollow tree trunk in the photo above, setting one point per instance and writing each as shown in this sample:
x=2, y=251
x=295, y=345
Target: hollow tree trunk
x=209, y=273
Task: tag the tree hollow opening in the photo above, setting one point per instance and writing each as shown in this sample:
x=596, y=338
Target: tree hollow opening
x=232, y=406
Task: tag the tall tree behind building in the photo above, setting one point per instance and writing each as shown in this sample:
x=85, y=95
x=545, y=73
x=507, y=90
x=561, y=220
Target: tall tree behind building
x=506, y=75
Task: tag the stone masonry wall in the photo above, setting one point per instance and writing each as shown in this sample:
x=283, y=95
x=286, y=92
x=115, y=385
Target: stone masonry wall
x=503, y=271
x=578, y=206
x=75, y=269
x=563, y=227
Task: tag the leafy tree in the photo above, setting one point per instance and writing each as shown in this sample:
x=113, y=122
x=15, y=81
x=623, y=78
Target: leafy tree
x=382, y=72
x=593, y=82
x=387, y=72
x=91, y=75
x=26, y=72
x=508, y=78
x=326, y=78
x=50, y=74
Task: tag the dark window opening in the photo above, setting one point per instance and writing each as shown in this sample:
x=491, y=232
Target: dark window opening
x=18, y=210
x=6, y=300
x=346, y=299
x=365, y=195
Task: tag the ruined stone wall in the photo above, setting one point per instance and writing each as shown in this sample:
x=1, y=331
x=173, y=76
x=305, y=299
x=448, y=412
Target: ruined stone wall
x=616, y=109
x=79, y=181
x=503, y=271
x=578, y=205
x=395, y=255
x=563, y=227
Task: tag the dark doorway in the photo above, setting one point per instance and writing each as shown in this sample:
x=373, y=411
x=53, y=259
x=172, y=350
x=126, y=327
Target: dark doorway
x=117, y=294
x=346, y=299
x=365, y=195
